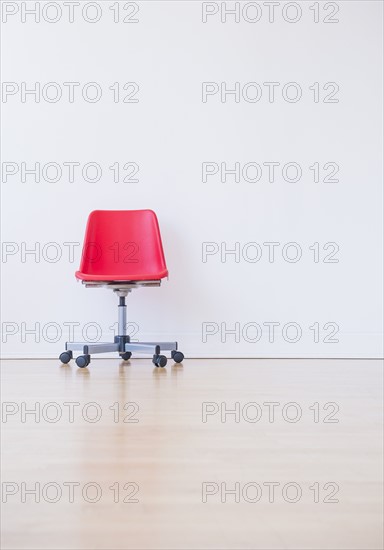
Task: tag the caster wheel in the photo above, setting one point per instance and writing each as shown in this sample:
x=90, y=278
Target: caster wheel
x=177, y=356
x=159, y=360
x=65, y=357
x=83, y=361
x=125, y=356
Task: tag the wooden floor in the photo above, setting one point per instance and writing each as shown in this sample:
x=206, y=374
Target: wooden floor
x=174, y=471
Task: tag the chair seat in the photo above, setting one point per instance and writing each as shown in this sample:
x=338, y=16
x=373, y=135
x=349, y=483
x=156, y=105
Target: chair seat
x=121, y=285
x=121, y=277
x=122, y=245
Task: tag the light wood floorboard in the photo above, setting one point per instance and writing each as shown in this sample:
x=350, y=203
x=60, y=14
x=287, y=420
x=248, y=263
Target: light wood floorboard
x=170, y=453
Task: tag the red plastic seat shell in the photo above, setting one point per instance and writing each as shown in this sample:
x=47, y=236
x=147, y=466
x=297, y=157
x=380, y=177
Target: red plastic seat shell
x=122, y=245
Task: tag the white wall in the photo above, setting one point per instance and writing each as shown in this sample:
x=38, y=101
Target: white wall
x=169, y=133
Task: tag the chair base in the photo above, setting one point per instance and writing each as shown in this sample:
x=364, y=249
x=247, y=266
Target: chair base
x=121, y=344
x=124, y=347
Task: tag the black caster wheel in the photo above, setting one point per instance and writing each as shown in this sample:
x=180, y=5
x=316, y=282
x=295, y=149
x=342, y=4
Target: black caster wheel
x=125, y=356
x=159, y=360
x=177, y=356
x=83, y=361
x=65, y=357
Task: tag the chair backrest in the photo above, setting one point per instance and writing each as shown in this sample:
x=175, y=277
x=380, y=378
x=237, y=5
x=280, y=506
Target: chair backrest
x=122, y=245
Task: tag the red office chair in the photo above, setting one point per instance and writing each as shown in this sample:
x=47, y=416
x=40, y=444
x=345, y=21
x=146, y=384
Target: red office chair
x=122, y=250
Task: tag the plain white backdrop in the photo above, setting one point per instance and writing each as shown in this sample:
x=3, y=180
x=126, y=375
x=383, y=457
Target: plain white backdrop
x=169, y=133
